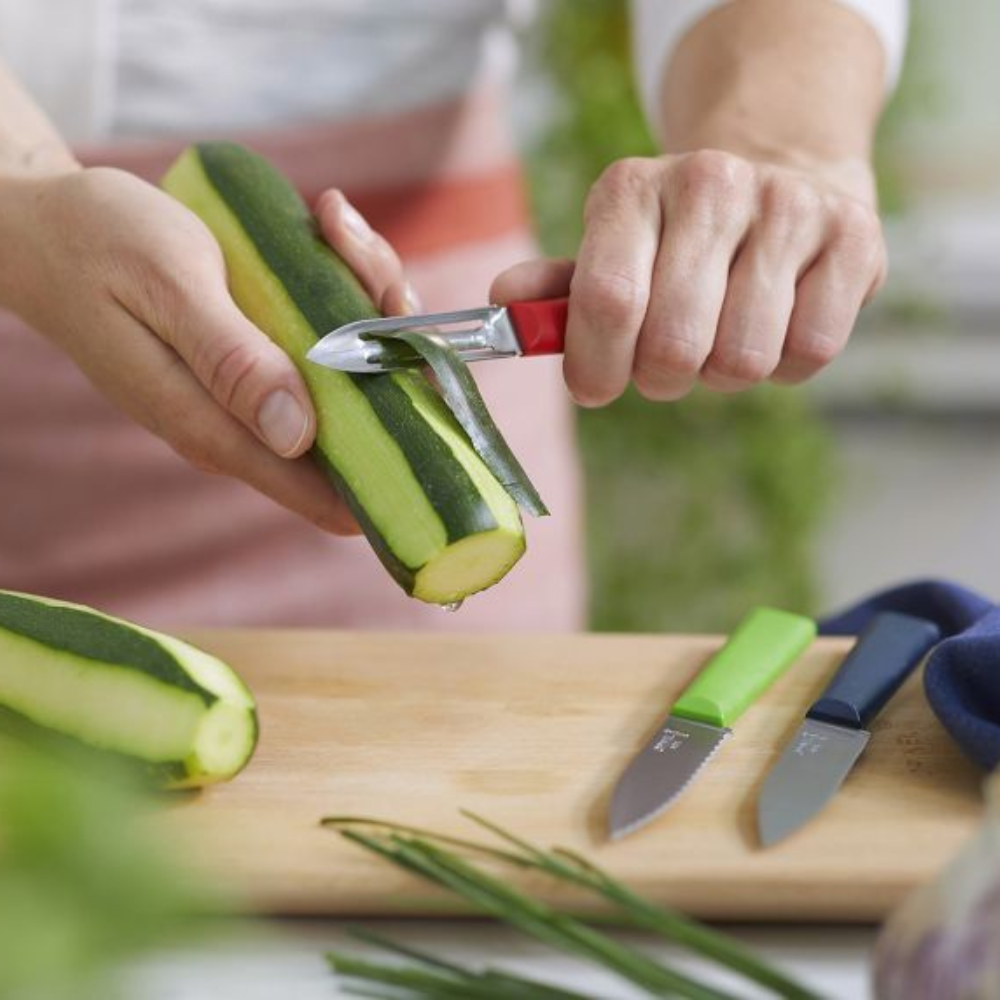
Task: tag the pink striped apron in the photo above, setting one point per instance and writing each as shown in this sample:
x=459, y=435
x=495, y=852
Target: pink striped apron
x=95, y=509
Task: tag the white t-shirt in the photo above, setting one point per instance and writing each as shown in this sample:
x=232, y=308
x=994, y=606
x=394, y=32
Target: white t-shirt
x=108, y=68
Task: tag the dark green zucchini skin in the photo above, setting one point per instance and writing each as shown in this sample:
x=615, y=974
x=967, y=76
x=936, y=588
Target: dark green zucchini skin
x=79, y=630
x=324, y=291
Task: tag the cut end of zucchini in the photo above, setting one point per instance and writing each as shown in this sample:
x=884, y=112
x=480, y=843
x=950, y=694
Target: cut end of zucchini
x=457, y=571
x=221, y=744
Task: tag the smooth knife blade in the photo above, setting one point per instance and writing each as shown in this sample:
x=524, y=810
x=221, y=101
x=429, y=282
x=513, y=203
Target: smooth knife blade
x=806, y=776
x=661, y=771
x=836, y=727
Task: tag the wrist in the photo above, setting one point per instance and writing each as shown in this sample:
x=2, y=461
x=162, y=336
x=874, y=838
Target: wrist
x=795, y=85
x=21, y=198
x=845, y=166
x=44, y=158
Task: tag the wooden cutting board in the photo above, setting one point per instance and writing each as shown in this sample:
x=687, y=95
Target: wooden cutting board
x=531, y=732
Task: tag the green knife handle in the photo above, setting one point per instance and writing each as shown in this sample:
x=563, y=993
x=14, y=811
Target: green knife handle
x=761, y=648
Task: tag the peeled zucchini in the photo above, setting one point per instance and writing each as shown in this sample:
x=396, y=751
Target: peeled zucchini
x=439, y=520
x=79, y=676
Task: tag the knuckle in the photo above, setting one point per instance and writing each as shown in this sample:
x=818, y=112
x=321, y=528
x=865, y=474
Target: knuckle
x=667, y=354
x=789, y=199
x=667, y=363
x=881, y=268
x=590, y=387
x=855, y=224
x=617, y=183
x=225, y=372
x=99, y=183
x=385, y=258
x=657, y=389
x=593, y=394
x=812, y=353
x=328, y=199
x=744, y=365
x=714, y=175
x=615, y=299
x=624, y=175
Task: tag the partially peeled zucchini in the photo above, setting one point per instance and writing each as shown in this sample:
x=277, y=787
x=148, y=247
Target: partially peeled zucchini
x=437, y=517
x=79, y=678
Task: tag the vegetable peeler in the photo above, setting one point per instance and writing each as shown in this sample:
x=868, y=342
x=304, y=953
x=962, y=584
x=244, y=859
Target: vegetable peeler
x=519, y=328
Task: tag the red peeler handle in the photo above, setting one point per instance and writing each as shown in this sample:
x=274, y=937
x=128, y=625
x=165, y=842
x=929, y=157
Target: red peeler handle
x=540, y=326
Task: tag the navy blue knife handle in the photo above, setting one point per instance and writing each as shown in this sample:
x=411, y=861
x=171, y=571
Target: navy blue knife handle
x=883, y=657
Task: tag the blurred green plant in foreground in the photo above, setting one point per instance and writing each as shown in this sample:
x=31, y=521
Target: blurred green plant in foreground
x=82, y=888
x=695, y=509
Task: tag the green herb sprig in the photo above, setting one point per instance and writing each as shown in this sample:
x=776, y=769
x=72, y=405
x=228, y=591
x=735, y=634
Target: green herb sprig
x=442, y=860
x=435, y=977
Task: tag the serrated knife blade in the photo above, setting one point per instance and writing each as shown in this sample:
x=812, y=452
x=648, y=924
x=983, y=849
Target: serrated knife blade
x=760, y=649
x=663, y=769
x=828, y=743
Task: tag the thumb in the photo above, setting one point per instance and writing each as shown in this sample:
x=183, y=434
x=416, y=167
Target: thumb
x=546, y=278
x=246, y=373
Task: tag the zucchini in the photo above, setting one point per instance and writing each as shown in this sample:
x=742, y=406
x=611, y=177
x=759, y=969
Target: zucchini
x=83, y=679
x=438, y=519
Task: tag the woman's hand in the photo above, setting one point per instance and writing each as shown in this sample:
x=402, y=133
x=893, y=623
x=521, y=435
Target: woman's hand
x=132, y=286
x=709, y=267
x=746, y=253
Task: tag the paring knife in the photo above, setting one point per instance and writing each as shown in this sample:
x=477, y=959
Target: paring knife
x=519, y=328
x=761, y=648
x=835, y=731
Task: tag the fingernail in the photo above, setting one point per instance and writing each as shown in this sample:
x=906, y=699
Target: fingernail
x=282, y=422
x=411, y=300
x=355, y=222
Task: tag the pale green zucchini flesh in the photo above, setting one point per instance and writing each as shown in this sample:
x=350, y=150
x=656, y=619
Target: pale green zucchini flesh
x=87, y=679
x=436, y=516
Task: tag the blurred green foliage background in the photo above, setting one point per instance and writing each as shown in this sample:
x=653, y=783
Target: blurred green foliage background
x=699, y=509
x=83, y=885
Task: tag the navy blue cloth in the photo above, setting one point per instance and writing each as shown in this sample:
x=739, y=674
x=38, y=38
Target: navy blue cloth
x=962, y=677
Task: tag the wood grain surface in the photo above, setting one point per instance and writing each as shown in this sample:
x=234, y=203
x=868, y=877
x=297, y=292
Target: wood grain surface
x=532, y=732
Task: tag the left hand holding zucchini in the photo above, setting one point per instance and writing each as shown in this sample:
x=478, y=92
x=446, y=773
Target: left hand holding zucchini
x=132, y=287
x=89, y=680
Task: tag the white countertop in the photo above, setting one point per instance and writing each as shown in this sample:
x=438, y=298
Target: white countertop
x=286, y=961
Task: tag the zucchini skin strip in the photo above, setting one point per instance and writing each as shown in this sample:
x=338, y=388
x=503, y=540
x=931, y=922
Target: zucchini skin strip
x=461, y=394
